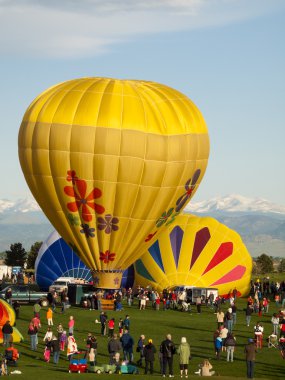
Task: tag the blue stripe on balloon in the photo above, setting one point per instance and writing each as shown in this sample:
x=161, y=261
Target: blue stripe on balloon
x=142, y=271
x=155, y=253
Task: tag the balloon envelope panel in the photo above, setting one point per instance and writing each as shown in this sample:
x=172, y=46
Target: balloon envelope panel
x=196, y=251
x=106, y=158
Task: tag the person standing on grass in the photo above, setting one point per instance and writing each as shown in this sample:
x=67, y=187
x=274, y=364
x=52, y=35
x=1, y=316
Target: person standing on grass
x=8, y=296
x=111, y=327
x=140, y=349
x=103, y=320
x=198, y=304
x=48, y=335
x=250, y=352
x=234, y=313
x=275, y=323
x=220, y=318
x=184, y=356
x=63, y=341
x=230, y=343
x=149, y=355
x=49, y=317
x=55, y=349
x=127, y=323
x=71, y=325
x=32, y=332
x=7, y=331
x=248, y=312
x=114, y=345
x=218, y=346
x=167, y=348
x=127, y=344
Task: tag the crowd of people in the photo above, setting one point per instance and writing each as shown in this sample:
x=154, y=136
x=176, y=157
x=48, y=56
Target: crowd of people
x=121, y=346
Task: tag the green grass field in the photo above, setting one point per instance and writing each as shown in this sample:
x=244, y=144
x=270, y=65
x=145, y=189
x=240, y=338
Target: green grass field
x=153, y=324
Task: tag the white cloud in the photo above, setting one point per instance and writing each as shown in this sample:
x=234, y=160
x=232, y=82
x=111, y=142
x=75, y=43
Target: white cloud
x=72, y=28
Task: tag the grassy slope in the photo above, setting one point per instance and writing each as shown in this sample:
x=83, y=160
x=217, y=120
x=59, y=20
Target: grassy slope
x=197, y=328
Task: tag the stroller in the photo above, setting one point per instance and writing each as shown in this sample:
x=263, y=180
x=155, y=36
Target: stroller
x=272, y=341
x=78, y=365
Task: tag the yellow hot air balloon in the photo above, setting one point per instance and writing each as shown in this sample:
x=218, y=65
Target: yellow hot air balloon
x=196, y=251
x=109, y=162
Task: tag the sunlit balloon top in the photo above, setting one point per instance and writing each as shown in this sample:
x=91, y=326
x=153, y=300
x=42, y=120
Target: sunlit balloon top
x=110, y=161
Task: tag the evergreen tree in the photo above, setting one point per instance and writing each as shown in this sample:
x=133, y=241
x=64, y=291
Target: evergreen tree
x=281, y=267
x=32, y=255
x=265, y=263
x=16, y=256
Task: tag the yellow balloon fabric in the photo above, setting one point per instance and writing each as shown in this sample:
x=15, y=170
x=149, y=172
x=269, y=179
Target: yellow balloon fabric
x=109, y=162
x=196, y=251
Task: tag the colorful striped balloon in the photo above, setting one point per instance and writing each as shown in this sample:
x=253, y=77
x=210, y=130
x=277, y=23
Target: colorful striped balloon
x=196, y=251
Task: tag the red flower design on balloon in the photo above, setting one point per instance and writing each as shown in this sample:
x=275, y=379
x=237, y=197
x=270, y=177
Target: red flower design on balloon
x=83, y=201
x=71, y=176
x=107, y=256
x=150, y=236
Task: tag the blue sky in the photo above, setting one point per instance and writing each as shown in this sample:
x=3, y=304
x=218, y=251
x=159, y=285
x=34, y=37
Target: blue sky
x=228, y=56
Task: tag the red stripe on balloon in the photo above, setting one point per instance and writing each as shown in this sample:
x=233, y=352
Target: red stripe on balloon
x=201, y=239
x=223, y=252
x=234, y=275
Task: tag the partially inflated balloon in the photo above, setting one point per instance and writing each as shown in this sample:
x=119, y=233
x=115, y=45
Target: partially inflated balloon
x=57, y=259
x=7, y=313
x=109, y=162
x=196, y=251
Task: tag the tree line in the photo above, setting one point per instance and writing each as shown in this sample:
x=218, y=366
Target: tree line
x=18, y=256
x=265, y=264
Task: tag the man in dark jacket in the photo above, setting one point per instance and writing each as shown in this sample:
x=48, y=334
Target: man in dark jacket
x=149, y=355
x=55, y=349
x=7, y=331
x=167, y=349
x=250, y=351
x=103, y=321
x=114, y=345
x=127, y=344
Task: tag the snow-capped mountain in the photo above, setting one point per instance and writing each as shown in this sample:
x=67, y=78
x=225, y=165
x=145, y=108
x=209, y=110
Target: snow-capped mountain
x=260, y=223
x=231, y=204
x=235, y=204
x=21, y=205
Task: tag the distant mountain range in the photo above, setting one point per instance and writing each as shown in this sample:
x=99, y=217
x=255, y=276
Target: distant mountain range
x=260, y=223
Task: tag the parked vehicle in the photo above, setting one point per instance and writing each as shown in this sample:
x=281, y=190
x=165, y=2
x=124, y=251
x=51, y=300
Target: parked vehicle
x=29, y=293
x=192, y=292
x=61, y=284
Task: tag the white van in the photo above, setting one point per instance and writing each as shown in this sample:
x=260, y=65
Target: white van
x=61, y=284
